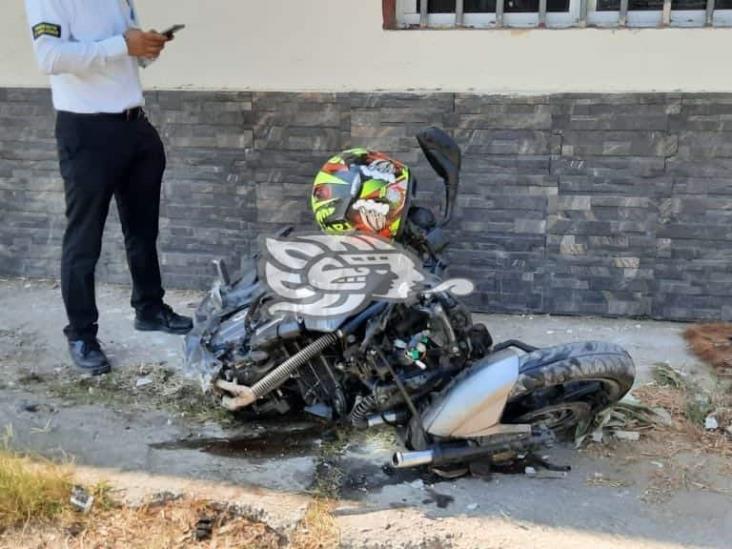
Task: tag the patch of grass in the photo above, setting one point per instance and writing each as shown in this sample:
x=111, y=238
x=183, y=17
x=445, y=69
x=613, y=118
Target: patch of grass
x=30, y=378
x=151, y=386
x=173, y=524
x=102, y=493
x=35, y=511
x=318, y=528
x=667, y=376
x=688, y=407
x=149, y=526
x=697, y=403
x=698, y=407
x=31, y=489
x=328, y=472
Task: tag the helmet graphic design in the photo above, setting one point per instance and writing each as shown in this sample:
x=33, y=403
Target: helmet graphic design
x=361, y=191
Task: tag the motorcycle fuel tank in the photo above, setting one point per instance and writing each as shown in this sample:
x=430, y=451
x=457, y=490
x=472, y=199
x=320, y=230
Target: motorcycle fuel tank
x=473, y=404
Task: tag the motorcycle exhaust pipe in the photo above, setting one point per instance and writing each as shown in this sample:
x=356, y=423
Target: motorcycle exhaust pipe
x=442, y=455
x=405, y=460
x=438, y=455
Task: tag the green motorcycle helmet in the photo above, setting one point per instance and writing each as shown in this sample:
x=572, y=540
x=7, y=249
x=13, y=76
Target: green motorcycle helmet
x=362, y=191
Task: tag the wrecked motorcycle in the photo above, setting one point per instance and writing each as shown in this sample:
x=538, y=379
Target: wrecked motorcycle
x=413, y=359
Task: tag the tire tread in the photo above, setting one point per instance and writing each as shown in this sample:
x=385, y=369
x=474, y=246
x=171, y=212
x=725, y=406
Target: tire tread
x=575, y=362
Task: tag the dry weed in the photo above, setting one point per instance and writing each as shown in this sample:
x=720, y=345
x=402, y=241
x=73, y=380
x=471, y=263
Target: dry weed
x=666, y=482
x=318, y=529
x=713, y=344
x=168, y=525
x=601, y=480
x=31, y=489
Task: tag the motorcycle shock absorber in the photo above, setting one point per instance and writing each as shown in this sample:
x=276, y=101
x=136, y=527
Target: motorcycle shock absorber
x=361, y=410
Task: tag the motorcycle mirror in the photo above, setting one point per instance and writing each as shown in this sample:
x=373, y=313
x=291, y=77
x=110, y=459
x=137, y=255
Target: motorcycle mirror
x=222, y=271
x=445, y=157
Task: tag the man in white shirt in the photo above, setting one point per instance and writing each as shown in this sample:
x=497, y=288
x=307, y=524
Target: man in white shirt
x=91, y=49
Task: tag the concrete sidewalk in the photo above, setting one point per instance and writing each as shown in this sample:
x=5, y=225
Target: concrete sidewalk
x=377, y=509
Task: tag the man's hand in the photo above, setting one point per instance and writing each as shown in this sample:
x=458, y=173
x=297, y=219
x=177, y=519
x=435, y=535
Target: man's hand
x=144, y=44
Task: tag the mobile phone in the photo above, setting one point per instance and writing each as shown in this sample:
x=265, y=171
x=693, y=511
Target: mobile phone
x=172, y=30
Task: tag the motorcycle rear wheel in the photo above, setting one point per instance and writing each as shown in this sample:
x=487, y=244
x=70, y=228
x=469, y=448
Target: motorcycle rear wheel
x=559, y=387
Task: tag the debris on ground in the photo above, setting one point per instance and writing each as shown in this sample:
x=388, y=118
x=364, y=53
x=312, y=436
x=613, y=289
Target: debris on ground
x=151, y=385
x=417, y=484
x=666, y=482
x=713, y=344
x=542, y=473
x=141, y=382
x=204, y=529
x=711, y=423
x=672, y=409
x=162, y=498
x=699, y=406
x=81, y=500
x=666, y=375
x=696, y=413
x=625, y=420
x=599, y=479
x=627, y=435
x=178, y=523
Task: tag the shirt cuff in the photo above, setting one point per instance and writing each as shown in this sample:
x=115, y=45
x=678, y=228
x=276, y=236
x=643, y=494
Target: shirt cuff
x=114, y=47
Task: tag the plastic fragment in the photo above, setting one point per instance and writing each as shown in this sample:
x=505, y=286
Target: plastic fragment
x=141, y=382
x=627, y=435
x=711, y=423
x=81, y=500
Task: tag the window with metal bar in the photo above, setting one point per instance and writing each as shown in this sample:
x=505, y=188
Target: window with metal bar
x=489, y=6
x=448, y=6
x=563, y=13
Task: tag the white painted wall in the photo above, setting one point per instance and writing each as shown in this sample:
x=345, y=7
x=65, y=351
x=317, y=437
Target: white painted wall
x=334, y=45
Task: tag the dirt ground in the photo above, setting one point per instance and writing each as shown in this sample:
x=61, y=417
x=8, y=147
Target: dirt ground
x=147, y=430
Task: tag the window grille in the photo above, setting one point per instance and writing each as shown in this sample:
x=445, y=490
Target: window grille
x=563, y=13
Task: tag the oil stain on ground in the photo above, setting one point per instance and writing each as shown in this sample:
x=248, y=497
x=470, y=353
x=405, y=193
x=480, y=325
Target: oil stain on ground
x=260, y=441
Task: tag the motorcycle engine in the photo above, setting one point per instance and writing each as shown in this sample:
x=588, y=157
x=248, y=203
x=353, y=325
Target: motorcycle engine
x=413, y=351
x=396, y=357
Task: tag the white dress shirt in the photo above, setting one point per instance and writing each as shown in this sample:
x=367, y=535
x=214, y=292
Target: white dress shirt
x=81, y=45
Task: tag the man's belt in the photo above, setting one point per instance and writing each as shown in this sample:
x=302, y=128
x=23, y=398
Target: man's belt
x=129, y=115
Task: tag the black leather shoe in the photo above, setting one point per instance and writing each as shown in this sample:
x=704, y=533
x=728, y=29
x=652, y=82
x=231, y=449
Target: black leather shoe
x=165, y=320
x=88, y=355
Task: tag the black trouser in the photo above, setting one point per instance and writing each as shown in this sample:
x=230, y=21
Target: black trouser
x=103, y=156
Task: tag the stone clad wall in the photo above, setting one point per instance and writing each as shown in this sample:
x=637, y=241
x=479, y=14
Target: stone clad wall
x=580, y=204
